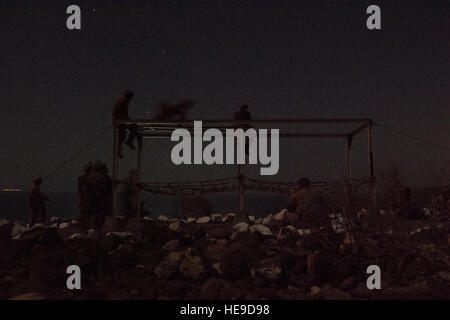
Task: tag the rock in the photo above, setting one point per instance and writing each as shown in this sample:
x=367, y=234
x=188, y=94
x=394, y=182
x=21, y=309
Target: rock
x=216, y=218
x=269, y=269
x=49, y=237
x=251, y=219
x=202, y=220
x=338, y=223
x=258, y=221
x=229, y=217
x=191, y=267
x=163, y=219
x=171, y=245
x=215, y=252
x=78, y=236
x=169, y=265
x=176, y=289
x=174, y=226
x=280, y=215
x=120, y=235
x=64, y=225
x=190, y=220
x=445, y=275
x=303, y=232
x=92, y=233
x=330, y=293
x=135, y=293
x=33, y=234
x=147, y=218
x=55, y=220
x=267, y=219
x=241, y=227
x=17, y=229
x=109, y=242
x=262, y=229
x=348, y=284
x=73, y=222
x=220, y=231
x=29, y=296
x=211, y=289
x=315, y=290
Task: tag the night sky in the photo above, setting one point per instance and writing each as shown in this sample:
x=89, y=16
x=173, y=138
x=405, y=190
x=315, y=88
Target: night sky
x=283, y=58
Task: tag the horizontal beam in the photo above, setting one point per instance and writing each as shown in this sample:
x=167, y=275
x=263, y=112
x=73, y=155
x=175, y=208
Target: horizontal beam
x=150, y=122
x=282, y=135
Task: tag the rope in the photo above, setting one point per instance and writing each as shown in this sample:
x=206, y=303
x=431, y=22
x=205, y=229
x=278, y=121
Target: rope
x=412, y=137
x=232, y=184
x=87, y=145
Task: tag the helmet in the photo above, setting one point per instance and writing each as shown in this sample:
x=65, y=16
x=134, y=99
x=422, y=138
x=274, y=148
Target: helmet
x=128, y=93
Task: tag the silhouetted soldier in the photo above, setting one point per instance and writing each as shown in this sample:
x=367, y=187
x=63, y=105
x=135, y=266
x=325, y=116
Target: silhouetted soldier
x=37, y=203
x=120, y=112
x=306, y=208
x=128, y=195
x=99, y=195
x=240, y=115
x=83, y=194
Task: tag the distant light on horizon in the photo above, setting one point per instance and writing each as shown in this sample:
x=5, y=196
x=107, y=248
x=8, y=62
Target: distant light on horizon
x=11, y=190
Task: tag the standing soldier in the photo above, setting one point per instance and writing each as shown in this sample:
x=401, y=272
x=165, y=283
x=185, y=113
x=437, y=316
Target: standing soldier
x=99, y=197
x=83, y=194
x=120, y=112
x=242, y=114
x=37, y=203
x=306, y=208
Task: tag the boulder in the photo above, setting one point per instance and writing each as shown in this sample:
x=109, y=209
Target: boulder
x=240, y=227
x=55, y=220
x=163, y=218
x=64, y=225
x=176, y=289
x=215, y=252
x=29, y=296
x=211, y=289
x=78, y=236
x=303, y=232
x=174, y=226
x=120, y=235
x=49, y=237
x=229, y=217
x=169, y=265
x=17, y=229
x=216, y=218
x=267, y=219
x=219, y=231
x=348, y=284
x=171, y=245
x=190, y=220
x=269, y=269
x=191, y=267
x=205, y=219
x=262, y=229
x=280, y=215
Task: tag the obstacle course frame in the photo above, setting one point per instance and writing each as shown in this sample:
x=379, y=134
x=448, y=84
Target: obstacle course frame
x=154, y=129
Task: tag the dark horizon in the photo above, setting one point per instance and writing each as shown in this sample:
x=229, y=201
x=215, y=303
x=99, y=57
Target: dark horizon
x=310, y=59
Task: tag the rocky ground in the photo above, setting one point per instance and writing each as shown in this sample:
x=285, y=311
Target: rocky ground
x=213, y=257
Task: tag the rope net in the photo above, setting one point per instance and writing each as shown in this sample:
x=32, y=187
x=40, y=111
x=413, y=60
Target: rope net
x=231, y=184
